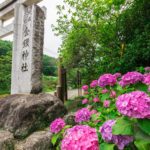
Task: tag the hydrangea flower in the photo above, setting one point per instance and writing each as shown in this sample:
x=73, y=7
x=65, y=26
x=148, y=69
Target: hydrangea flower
x=148, y=89
x=112, y=94
x=57, y=125
x=106, y=103
x=135, y=104
x=117, y=75
x=93, y=111
x=104, y=91
x=96, y=100
x=85, y=87
x=147, y=68
x=120, y=140
x=93, y=83
x=82, y=115
x=131, y=78
x=107, y=79
x=85, y=101
x=80, y=137
x=146, y=79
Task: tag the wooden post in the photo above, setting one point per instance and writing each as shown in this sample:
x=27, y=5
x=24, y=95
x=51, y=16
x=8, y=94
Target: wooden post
x=79, y=82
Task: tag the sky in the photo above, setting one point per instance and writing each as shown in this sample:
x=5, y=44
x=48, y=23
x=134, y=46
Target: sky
x=51, y=42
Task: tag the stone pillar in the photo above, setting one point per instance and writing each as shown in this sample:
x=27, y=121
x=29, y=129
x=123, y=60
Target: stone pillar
x=27, y=50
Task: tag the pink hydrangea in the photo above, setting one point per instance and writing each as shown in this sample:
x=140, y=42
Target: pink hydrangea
x=131, y=78
x=82, y=115
x=80, y=137
x=112, y=94
x=85, y=87
x=117, y=75
x=106, y=103
x=135, y=104
x=96, y=100
x=93, y=83
x=107, y=79
x=57, y=125
x=147, y=68
x=148, y=89
x=93, y=111
x=146, y=79
x=120, y=140
x=104, y=91
x=85, y=101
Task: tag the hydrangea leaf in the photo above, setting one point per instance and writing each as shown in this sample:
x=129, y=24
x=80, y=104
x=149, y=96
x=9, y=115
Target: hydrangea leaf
x=105, y=96
x=144, y=124
x=142, y=145
x=123, y=126
x=54, y=138
x=141, y=87
x=106, y=146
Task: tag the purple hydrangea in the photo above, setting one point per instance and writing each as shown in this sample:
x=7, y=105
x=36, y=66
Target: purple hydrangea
x=120, y=140
x=82, y=115
x=131, y=78
x=107, y=79
x=93, y=83
x=80, y=137
x=135, y=104
x=146, y=79
x=57, y=125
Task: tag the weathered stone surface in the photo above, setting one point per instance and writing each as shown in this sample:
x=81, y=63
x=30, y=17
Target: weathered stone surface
x=24, y=114
x=37, y=141
x=6, y=140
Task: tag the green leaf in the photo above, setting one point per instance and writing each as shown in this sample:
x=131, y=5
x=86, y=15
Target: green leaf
x=141, y=87
x=123, y=126
x=139, y=134
x=105, y=96
x=54, y=138
x=142, y=145
x=144, y=124
x=106, y=146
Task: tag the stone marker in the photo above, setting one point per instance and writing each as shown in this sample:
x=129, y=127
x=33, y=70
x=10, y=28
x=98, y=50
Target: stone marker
x=28, y=49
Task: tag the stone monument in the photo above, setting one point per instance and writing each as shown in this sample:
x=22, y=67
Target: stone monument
x=28, y=29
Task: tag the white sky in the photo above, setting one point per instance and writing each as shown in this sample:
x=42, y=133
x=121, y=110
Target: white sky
x=51, y=42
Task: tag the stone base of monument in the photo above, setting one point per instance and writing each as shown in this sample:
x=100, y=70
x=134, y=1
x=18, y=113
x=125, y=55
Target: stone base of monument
x=24, y=118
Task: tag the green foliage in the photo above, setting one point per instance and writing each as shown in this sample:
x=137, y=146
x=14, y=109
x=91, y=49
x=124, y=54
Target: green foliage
x=123, y=126
x=142, y=145
x=144, y=124
x=104, y=35
x=49, y=66
x=106, y=146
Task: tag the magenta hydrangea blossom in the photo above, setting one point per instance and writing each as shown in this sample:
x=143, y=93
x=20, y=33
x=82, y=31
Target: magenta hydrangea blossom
x=146, y=79
x=120, y=140
x=85, y=101
x=85, y=87
x=147, y=68
x=104, y=91
x=106, y=103
x=112, y=94
x=107, y=79
x=131, y=78
x=135, y=104
x=117, y=75
x=96, y=100
x=94, y=83
x=57, y=125
x=80, y=137
x=82, y=115
x=93, y=112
